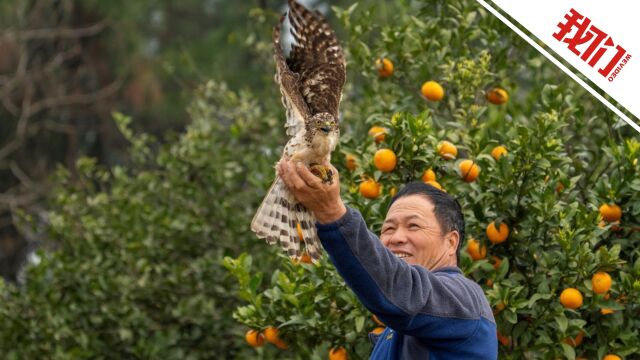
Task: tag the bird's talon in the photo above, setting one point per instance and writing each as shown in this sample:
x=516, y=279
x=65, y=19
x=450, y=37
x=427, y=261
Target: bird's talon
x=322, y=172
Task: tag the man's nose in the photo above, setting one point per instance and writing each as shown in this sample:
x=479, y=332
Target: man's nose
x=399, y=237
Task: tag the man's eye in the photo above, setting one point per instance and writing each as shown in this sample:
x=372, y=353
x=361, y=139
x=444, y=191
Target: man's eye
x=414, y=226
x=387, y=230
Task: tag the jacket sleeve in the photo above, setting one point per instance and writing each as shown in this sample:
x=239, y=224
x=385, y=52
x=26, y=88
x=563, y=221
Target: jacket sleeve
x=407, y=298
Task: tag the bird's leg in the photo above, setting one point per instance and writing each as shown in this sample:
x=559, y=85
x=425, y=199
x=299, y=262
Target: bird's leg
x=323, y=172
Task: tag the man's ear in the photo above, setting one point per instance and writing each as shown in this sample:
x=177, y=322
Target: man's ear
x=453, y=239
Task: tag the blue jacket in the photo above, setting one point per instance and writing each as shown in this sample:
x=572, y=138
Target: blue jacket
x=429, y=314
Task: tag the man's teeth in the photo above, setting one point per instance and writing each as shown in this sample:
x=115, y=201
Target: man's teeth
x=401, y=256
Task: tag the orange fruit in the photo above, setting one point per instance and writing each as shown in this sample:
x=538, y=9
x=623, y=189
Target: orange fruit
x=469, y=170
x=271, y=335
x=377, y=321
x=497, y=96
x=475, y=250
x=435, y=184
x=447, y=150
x=611, y=357
x=571, y=298
x=378, y=133
x=385, y=160
x=504, y=340
x=489, y=283
x=350, y=162
x=299, y=229
x=305, y=258
x=428, y=175
x=393, y=191
x=610, y=212
x=377, y=331
x=385, y=67
x=606, y=311
x=600, y=282
x=432, y=91
x=498, y=152
x=497, y=236
x=338, y=354
x=559, y=187
x=254, y=338
x=496, y=262
x=370, y=189
x=576, y=341
x=499, y=307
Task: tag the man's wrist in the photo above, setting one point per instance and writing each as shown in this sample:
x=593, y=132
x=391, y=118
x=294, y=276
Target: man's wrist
x=332, y=214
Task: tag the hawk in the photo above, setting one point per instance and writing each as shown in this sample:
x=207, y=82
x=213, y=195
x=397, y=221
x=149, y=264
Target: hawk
x=311, y=81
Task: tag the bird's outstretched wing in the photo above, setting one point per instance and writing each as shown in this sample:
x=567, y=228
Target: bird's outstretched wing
x=292, y=100
x=318, y=58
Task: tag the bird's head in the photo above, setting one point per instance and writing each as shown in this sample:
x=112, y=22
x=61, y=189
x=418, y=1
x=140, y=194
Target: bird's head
x=324, y=124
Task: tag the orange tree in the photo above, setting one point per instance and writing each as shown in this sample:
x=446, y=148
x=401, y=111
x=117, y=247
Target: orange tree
x=461, y=76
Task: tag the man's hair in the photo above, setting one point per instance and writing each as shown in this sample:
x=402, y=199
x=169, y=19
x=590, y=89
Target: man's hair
x=445, y=207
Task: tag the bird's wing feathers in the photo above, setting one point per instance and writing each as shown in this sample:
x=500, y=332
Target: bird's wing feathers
x=317, y=56
x=292, y=100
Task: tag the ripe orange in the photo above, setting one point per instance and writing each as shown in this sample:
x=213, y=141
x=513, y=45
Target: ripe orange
x=497, y=96
x=378, y=133
x=385, y=67
x=571, y=298
x=271, y=335
x=428, y=175
x=469, y=170
x=600, y=282
x=370, y=189
x=299, y=229
x=611, y=357
x=498, y=152
x=475, y=250
x=447, y=150
x=496, y=262
x=254, y=338
x=305, y=258
x=497, y=236
x=435, y=184
x=559, y=187
x=504, y=340
x=338, y=354
x=576, y=341
x=385, y=160
x=350, y=162
x=610, y=212
x=377, y=331
x=377, y=321
x=432, y=91
x=606, y=311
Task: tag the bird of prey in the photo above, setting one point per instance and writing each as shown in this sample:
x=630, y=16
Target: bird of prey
x=311, y=79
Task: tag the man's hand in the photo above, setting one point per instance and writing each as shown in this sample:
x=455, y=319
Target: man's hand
x=323, y=199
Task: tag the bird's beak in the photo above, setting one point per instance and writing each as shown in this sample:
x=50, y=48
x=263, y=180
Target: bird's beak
x=325, y=129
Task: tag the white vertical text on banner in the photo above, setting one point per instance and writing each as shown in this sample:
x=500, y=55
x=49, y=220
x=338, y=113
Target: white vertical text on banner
x=601, y=45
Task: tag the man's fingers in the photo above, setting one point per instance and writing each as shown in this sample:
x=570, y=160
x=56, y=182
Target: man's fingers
x=293, y=179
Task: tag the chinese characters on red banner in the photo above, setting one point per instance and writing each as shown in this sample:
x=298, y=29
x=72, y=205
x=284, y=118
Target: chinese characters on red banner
x=593, y=44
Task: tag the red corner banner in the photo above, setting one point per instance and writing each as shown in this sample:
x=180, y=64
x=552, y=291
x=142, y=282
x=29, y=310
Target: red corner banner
x=596, y=39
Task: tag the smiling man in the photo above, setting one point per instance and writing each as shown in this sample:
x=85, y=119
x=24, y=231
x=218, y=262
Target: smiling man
x=409, y=276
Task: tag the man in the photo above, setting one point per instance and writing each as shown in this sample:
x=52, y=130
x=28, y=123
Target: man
x=409, y=276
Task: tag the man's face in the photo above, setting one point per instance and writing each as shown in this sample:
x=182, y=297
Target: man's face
x=412, y=232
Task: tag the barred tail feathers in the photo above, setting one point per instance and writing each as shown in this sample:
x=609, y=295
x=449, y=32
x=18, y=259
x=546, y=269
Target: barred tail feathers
x=310, y=238
x=275, y=221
